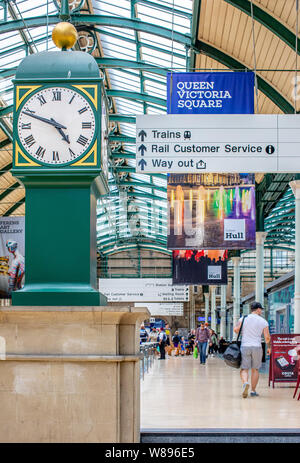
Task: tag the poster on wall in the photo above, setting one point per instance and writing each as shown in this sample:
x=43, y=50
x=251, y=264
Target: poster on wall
x=200, y=267
x=210, y=92
x=285, y=354
x=211, y=211
x=12, y=252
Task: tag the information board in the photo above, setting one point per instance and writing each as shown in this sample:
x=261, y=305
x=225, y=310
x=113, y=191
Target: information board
x=285, y=351
x=218, y=143
x=142, y=290
x=162, y=308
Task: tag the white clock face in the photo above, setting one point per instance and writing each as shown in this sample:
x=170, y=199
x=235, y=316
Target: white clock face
x=56, y=125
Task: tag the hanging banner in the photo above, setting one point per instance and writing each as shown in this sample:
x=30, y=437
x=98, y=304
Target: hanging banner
x=210, y=92
x=211, y=211
x=200, y=267
x=285, y=351
x=12, y=251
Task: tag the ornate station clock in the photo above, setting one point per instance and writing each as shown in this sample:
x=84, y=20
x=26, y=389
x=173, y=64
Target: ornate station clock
x=59, y=157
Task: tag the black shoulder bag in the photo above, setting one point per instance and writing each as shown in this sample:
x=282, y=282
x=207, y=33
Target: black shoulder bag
x=232, y=355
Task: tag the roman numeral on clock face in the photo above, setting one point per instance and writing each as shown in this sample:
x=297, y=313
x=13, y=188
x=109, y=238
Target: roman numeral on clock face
x=56, y=96
x=82, y=110
x=86, y=125
x=55, y=156
x=26, y=125
x=41, y=99
x=73, y=155
x=29, y=140
x=40, y=151
x=82, y=140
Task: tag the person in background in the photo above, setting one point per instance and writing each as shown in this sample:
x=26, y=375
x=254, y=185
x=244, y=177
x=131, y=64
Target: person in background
x=143, y=334
x=162, y=339
x=182, y=346
x=169, y=347
x=176, y=342
x=202, y=338
x=251, y=349
x=153, y=338
x=191, y=342
x=213, y=348
x=222, y=345
x=153, y=335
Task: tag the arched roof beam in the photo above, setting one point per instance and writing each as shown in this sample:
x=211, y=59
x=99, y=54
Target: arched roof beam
x=97, y=20
x=268, y=21
x=232, y=63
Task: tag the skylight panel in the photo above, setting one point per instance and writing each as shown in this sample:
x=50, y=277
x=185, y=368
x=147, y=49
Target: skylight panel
x=122, y=8
x=163, y=18
x=128, y=129
x=126, y=33
x=162, y=42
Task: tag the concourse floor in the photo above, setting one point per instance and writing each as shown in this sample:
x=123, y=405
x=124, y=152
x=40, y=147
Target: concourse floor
x=179, y=393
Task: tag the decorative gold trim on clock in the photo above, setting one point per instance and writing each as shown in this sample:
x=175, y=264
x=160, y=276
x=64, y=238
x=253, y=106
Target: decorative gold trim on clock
x=83, y=89
x=82, y=162
x=30, y=88
x=23, y=164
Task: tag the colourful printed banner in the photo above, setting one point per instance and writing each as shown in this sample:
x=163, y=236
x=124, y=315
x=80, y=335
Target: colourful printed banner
x=200, y=267
x=12, y=250
x=211, y=211
x=210, y=92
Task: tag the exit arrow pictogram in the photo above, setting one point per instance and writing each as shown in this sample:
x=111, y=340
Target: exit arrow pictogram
x=142, y=163
x=142, y=134
x=142, y=149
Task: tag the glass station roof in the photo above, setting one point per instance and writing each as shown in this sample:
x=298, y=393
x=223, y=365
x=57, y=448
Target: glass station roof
x=136, y=42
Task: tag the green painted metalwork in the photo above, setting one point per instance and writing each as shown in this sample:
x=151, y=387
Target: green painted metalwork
x=110, y=21
x=195, y=27
x=126, y=63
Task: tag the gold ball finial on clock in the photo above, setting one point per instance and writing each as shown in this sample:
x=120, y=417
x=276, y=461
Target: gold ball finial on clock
x=64, y=35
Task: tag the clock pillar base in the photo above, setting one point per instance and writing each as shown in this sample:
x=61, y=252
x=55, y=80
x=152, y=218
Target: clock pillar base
x=73, y=296
x=60, y=241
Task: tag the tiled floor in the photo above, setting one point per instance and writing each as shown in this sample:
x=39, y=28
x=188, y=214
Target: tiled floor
x=181, y=393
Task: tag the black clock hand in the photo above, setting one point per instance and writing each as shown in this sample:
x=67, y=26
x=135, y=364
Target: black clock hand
x=48, y=121
x=64, y=136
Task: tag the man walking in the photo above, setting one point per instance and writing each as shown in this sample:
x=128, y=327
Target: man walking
x=253, y=328
x=202, y=338
x=162, y=339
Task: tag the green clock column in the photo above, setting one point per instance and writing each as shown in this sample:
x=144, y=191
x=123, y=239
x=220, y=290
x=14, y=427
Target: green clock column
x=59, y=158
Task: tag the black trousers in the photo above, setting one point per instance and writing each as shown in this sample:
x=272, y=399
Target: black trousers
x=162, y=346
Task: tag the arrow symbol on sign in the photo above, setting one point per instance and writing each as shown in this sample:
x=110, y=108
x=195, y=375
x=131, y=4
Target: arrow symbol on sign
x=142, y=163
x=142, y=149
x=142, y=134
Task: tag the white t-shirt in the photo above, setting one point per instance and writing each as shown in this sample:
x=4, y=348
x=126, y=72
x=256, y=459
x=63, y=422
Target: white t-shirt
x=252, y=330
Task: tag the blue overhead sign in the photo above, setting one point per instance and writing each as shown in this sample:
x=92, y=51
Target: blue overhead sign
x=210, y=93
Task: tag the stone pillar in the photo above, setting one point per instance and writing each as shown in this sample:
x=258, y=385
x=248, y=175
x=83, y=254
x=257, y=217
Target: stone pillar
x=206, y=296
x=213, y=323
x=295, y=185
x=223, y=311
x=260, y=280
x=236, y=290
x=70, y=374
x=246, y=309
